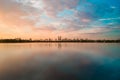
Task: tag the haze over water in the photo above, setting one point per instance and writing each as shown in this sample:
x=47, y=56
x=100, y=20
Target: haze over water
x=60, y=61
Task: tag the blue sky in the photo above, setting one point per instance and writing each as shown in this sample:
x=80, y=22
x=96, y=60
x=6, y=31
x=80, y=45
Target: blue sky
x=68, y=18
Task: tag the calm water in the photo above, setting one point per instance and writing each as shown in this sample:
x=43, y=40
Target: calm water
x=60, y=61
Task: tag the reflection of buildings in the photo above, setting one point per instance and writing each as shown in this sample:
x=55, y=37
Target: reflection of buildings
x=59, y=45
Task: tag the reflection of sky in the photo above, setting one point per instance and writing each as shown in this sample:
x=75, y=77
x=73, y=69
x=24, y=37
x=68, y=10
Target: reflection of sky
x=60, y=61
x=85, y=18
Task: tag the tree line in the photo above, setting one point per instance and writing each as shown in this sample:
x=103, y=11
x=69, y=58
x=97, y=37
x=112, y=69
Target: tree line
x=19, y=40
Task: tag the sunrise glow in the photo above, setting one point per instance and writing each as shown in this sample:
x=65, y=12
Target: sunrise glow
x=39, y=19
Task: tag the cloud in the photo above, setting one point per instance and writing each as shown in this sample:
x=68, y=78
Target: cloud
x=95, y=30
x=53, y=7
x=42, y=16
x=109, y=19
x=11, y=12
x=50, y=28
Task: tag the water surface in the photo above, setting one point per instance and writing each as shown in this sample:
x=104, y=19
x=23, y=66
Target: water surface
x=60, y=61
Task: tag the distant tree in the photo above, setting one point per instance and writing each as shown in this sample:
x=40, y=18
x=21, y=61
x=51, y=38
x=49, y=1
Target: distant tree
x=30, y=39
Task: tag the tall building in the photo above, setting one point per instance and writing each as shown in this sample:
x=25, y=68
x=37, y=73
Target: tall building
x=59, y=38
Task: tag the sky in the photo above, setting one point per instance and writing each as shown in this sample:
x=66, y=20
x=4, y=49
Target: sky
x=40, y=19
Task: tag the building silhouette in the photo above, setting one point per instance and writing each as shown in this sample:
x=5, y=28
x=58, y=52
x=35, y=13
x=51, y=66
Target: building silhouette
x=59, y=38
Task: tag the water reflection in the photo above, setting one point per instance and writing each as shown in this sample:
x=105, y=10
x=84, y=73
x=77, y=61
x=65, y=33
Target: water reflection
x=59, y=61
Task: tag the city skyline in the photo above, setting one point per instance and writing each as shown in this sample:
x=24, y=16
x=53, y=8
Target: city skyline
x=60, y=39
x=43, y=19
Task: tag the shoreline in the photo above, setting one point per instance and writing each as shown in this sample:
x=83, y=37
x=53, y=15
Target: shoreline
x=59, y=42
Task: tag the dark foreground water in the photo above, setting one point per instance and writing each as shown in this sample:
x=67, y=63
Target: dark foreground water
x=60, y=61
